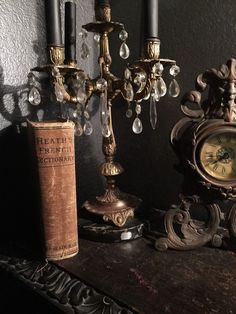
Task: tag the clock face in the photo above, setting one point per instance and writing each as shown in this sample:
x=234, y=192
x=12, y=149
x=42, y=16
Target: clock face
x=218, y=156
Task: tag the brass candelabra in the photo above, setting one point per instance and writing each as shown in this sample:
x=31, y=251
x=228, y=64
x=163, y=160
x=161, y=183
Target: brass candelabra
x=142, y=80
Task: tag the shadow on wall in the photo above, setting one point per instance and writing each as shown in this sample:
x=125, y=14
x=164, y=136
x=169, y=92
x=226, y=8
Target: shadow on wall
x=17, y=211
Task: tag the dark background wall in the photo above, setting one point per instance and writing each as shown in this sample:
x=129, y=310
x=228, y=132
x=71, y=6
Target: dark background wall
x=198, y=34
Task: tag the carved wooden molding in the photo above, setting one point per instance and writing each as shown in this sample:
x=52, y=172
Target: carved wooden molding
x=58, y=285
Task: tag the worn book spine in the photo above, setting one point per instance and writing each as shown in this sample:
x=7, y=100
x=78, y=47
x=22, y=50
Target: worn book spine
x=53, y=149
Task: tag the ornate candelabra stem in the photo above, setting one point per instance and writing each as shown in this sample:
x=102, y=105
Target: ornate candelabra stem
x=113, y=205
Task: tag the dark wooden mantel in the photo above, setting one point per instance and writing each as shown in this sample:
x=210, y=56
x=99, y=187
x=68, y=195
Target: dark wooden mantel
x=131, y=277
x=151, y=282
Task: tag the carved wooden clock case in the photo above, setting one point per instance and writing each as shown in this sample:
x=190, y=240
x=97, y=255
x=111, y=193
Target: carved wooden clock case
x=205, y=143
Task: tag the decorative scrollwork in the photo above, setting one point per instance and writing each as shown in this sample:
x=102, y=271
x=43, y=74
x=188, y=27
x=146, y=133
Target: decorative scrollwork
x=152, y=49
x=56, y=55
x=192, y=234
x=119, y=219
x=220, y=103
x=68, y=291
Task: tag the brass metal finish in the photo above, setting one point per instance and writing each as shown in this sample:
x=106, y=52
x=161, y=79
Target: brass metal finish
x=145, y=67
x=58, y=71
x=152, y=49
x=103, y=13
x=114, y=205
x=56, y=55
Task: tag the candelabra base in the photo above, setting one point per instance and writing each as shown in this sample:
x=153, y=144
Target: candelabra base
x=93, y=228
x=114, y=205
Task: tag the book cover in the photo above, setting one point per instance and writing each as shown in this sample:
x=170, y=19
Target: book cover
x=54, y=160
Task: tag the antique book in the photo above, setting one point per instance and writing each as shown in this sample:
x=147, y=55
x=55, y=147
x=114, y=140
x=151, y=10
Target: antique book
x=54, y=160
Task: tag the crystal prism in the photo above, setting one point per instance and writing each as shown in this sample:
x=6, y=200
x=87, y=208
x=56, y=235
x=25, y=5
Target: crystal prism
x=84, y=51
x=174, y=89
x=123, y=35
x=78, y=129
x=34, y=96
x=137, y=126
x=124, y=51
x=174, y=70
x=138, y=109
x=104, y=111
x=96, y=38
x=101, y=84
x=158, y=68
x=161, y=88
x=88, y=128
x=129, y=113
x=83, y=33
x=86, y=114
x=127, y=74
x=153, y=112
x=31, y=79
x=106, y=132
x=81, y=96
x=129, y=92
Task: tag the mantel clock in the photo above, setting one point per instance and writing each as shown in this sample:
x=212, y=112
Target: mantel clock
x=205, y=143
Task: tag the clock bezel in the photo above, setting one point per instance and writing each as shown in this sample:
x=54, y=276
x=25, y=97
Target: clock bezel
x=201, y=136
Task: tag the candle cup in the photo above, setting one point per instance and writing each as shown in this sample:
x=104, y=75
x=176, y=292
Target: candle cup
x=102, y=10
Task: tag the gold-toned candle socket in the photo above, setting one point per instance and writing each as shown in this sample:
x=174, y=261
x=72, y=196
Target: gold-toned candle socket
x=56, y=55
x=152, y=49
x=59, y=72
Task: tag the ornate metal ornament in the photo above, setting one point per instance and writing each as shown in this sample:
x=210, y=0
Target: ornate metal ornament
x=205, y=142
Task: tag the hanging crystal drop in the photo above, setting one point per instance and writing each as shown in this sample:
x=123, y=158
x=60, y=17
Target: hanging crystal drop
x=129, y=91
x=137, y=126
x=96, y=38
x=161, y=87
x=123, y=35
x=101, y=84
x=88, y=128
x=86, y=115
x=34, y=97
x=58, y=93
x=153, y=112
x=174, y=88
x=104, y=111
x=129, y=113
x=156, y=96
x=40, y=114
x=106, y=132
x=31, y=79
x=83, y=33
x=174, y=70
x=84, y=51
x=127, y=74
x=138, y=109
x=124, y=51
x=78, y=129
x=81, y=96
x=158, y=68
